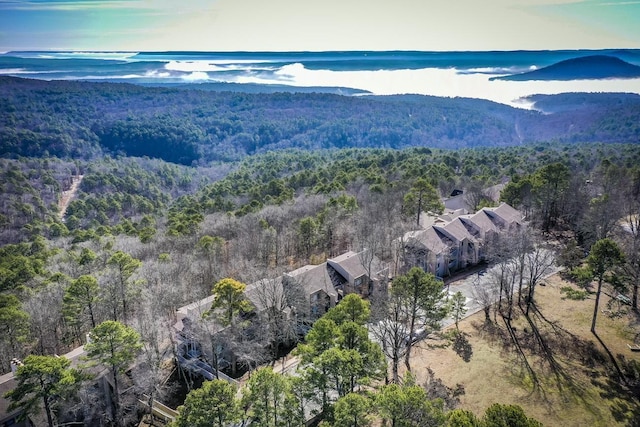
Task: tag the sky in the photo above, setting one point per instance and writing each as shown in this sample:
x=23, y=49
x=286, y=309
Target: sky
x=313, y=25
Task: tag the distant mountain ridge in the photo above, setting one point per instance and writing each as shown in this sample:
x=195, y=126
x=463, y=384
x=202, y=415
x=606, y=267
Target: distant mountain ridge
x=592, y=67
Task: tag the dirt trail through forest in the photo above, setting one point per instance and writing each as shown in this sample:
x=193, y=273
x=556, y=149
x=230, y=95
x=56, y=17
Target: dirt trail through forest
x=68, y=195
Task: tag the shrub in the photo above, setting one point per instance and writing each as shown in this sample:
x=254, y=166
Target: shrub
x=582, y=276
x=573, y=294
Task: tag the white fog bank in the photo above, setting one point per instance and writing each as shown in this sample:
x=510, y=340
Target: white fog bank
x=437, y=82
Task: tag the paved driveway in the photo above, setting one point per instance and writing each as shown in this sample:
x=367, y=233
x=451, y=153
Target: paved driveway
x=465, y=284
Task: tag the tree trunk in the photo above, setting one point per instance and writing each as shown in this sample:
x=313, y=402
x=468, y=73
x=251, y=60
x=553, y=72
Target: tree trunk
x=501, y=290
x=419, y=209
x=123, y=295
x=394, y=369
x=93, y=321
x=520, y=281
x=414, y=309
x=325, y=397
x=407, y=356
x=595, y=308
x=150, y=401
x=116, y=395
x=47, y=409
x=511, y=290
x=214, y=357
x=275, y=409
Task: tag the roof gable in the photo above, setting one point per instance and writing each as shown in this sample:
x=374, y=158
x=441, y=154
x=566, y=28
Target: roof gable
x=428, y=239
x=349, y=265
x=483, y=222
x=458, y=230
x=313, y=278
x=507, y=214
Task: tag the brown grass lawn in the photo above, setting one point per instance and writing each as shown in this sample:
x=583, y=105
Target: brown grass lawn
x=569, y=383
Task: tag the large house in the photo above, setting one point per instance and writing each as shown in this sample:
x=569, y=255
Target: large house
x=455, y=240
x=307, y=293
x=321, y=285
x=325, y=284
x=444, y=244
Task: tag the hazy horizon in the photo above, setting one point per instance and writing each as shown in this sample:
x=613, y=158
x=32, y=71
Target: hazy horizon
x=445, y=74
x=186, y=51
x=313, y=26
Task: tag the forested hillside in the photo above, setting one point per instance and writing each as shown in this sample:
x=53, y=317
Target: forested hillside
x=592, y=67
x=63, y=118
x=183, y=189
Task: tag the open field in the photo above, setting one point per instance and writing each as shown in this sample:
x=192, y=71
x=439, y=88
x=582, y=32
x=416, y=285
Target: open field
x=559, y=372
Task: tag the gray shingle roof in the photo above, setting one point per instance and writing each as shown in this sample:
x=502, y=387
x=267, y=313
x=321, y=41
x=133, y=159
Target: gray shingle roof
x=458, y=230
x=314, y=278
x=429, y=239
x=438, y=237
x=351, y=263
x=508, y=214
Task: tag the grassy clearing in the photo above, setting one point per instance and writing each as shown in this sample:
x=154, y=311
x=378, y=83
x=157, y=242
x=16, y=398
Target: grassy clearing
x=559, y=372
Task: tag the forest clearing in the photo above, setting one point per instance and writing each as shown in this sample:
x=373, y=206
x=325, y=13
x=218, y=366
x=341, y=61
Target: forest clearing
x=573, y=380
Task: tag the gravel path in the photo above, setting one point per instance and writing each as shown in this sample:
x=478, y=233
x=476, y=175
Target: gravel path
x=68, y=195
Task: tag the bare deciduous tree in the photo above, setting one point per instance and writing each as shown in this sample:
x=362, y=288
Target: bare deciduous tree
x=630, y=234
x=539, y=262
x=475, y=196
x=503, y=272
x=153, y=325
x=278, y=307
x=485, y=292
x=45, y=312
x=390, y=328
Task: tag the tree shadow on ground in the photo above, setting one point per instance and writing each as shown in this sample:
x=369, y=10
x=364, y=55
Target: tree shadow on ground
x=462, y=346
x=560, y=361
x=624, y=396
x=538, y=344
x=569, y=344
x=620, y=381
x=436, y=389
x=564, y=353
x=509, y=340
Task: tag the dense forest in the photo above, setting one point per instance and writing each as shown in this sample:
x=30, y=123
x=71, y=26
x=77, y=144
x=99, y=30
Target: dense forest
x=182, y=189
x=64, y=118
